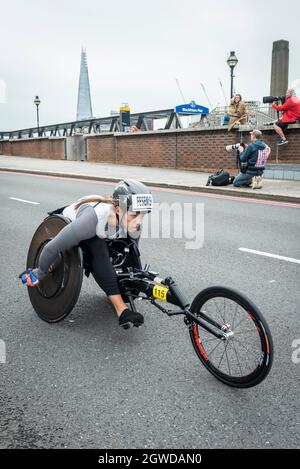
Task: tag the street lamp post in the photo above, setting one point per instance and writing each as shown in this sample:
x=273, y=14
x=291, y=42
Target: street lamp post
x=37, y=102
x=232, y=61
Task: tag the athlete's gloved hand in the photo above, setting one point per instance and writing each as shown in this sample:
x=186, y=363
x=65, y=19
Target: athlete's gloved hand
x=130, y=318
x=29, y=278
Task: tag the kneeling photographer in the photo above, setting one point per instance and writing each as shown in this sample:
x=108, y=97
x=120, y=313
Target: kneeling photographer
x=252, y=162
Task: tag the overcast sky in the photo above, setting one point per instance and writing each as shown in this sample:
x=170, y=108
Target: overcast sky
x=135, y=50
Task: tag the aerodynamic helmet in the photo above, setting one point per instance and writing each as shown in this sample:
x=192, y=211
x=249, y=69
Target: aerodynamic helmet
x=133, y=195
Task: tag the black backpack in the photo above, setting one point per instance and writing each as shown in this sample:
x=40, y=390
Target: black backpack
x=220, y=178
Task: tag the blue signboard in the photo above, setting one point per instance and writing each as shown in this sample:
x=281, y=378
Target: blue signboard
x=191, y=108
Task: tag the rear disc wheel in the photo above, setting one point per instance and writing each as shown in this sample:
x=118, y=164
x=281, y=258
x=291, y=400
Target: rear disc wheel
x=56, y=295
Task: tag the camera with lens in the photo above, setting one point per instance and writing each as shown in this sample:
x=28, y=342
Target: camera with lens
x=235, y=148
x=271, y=99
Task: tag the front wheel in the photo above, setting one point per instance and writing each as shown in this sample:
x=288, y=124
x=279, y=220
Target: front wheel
x=243, y=357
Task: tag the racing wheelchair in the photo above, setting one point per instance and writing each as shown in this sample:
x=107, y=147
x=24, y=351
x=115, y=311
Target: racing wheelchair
x=229, y=334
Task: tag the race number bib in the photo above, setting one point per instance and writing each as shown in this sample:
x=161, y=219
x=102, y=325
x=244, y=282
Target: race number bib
x=160, y=292
x=142, y=202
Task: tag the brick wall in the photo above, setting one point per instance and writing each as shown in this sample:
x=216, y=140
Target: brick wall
x=198, y=150
x=205, y=150
x=53, y=148
x=287, y=153
x=147, y=150
x=5, y=147
x=101, y=150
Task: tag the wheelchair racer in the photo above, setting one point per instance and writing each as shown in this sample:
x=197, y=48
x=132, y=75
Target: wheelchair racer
x=95, y=218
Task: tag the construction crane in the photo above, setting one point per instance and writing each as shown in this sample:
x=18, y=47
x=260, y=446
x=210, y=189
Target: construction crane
x=223, y=92
x=180, y=90
x=204, y=91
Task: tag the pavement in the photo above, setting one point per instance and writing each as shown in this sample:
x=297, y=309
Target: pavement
x=273, y=189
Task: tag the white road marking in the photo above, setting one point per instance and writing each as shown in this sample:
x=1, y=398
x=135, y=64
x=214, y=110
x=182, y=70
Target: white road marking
x=25, y=201
x=274, y=256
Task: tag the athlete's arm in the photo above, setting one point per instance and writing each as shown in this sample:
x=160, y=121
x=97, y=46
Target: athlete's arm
x=83, y=227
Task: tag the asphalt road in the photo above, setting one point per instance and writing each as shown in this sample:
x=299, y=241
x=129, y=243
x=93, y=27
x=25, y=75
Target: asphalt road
x=85, y=383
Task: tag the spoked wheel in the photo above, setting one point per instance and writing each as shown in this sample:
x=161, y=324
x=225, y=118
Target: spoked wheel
x=244, y=357
x=55, y=297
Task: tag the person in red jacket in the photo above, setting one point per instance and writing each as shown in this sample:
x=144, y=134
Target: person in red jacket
x=291, y=113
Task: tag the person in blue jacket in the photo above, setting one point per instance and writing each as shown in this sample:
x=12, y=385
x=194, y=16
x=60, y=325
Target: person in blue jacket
x=253, y=160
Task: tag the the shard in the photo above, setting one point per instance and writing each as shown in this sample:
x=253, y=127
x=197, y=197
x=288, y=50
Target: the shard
x=84, y=103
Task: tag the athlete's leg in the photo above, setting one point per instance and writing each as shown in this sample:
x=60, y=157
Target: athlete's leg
x=106, y=277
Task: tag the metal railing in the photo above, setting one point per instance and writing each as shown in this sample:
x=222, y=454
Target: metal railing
x=258, y=115
x=96, y=125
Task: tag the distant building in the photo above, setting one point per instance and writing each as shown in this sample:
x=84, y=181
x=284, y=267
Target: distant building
x=280, y=68
x=84, y=103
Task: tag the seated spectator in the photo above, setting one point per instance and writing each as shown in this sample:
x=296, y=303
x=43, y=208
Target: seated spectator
x=237, y=112
x=226, y=118
x=291, y=113
x=253, y=160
